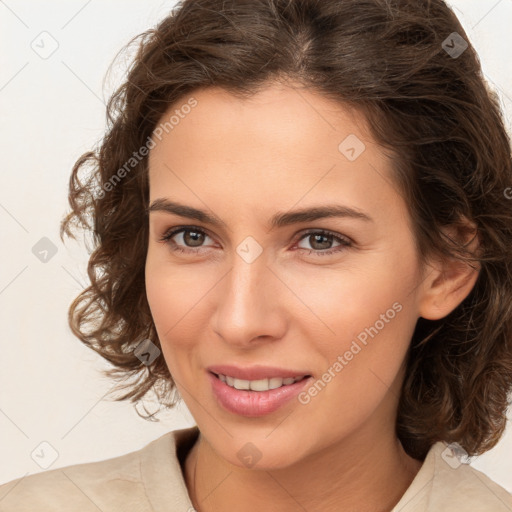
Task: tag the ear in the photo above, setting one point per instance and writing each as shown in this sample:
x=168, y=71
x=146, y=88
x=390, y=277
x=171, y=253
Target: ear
x=449, y=281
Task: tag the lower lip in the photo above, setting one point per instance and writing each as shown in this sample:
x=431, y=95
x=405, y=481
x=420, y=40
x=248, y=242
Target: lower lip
x=254, y=403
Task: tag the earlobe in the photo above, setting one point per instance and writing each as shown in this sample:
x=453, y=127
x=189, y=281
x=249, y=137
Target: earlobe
x=448, y=283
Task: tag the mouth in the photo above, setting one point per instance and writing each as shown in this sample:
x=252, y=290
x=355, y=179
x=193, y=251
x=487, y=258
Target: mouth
x=259, y=385
x=255, y=397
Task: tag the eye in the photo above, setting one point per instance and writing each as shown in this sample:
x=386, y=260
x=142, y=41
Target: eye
x=189, y=235
x=320, y=239
x=191, y=238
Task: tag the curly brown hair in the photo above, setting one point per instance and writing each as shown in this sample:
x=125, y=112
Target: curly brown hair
x=423, y=92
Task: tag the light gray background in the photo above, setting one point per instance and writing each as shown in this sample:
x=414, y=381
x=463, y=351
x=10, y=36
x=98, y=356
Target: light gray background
x=52, y=110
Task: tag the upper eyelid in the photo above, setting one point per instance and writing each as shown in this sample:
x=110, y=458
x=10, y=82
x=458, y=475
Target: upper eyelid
x=171, y=232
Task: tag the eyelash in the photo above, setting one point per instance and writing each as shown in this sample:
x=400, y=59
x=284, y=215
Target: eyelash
x=344, y=242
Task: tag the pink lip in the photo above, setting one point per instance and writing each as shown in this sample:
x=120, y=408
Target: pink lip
x=254, y=403
x=255, y=372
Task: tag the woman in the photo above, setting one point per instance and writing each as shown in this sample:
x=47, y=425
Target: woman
x=302, y=229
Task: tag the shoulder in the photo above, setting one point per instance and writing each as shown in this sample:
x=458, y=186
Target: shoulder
x=464, y=488
x=444, y=484
x=115, y=484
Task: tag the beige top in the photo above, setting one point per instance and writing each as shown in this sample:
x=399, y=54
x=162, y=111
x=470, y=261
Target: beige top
x=151, y=480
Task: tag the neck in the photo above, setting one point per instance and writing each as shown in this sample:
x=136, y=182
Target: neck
x=363, y=473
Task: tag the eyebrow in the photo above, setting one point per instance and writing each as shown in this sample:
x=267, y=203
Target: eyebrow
x=278, y=220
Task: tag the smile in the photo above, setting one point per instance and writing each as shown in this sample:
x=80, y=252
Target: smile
x=252, y=398
x=259, y=385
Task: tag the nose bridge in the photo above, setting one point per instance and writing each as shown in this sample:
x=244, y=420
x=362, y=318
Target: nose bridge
x=247, y=306
x=247, y=287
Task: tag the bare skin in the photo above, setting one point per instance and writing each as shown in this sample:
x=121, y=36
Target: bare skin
x=292, y=307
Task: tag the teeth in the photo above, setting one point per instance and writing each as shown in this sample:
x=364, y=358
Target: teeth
x=258, y=385
x=242, y=384
x=275, y=382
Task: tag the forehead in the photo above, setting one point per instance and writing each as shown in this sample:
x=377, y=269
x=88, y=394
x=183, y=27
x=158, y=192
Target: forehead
x=282, y=145
x=278, y=115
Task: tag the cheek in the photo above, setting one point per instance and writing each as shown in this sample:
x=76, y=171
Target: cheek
x=361, y=379
x=174, y=291
x=370, y=376
x=170, y=298
x=167, y=307
x=178, y=300
x=371, y=316
x=338, y=304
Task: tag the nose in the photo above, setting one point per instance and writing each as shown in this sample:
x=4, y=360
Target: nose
x=250, y=304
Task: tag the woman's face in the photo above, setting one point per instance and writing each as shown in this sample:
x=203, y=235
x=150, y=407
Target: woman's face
x=254, y=283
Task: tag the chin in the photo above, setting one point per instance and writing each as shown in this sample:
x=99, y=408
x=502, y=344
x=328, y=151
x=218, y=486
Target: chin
x=260, y=451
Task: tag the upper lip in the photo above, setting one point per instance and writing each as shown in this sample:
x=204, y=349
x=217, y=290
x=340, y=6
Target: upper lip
x=255, y=372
